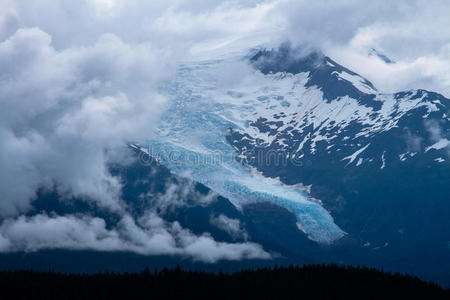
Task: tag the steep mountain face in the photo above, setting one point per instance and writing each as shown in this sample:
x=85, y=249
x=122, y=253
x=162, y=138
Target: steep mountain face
x=380, y=163
x=317, y=139
x=384, y=58
x=316, y=108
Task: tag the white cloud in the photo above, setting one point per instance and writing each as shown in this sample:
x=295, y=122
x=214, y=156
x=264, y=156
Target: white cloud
x=61, y=111
x=437, y=136
x=413, y=142
x=179, y=194
x=152, y=237
x=231, y=226
x=413, y=33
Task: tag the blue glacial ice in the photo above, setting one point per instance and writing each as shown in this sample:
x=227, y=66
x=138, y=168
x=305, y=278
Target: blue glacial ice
x=191, y=140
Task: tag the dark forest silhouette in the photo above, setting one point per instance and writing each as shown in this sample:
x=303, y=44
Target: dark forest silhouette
x=307, y=282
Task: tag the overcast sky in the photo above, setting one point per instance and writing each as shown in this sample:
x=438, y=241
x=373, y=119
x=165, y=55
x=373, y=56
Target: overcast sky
x=78, y=78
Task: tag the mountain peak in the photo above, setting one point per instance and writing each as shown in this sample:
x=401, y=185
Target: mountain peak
x=374, y=52
x=334, y=80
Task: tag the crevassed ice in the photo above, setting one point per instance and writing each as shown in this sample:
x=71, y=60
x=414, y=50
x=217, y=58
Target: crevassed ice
x=192, y=139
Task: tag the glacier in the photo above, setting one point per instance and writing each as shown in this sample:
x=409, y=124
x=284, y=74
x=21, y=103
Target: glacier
x=190, y=140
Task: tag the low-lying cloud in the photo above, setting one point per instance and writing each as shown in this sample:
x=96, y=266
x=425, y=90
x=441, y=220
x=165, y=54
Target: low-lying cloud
x=231, y=226
x=152, y=236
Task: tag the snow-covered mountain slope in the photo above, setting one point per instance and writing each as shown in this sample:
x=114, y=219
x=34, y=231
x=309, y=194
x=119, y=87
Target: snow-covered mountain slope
x=315, y=107
x=191, y=141
x=380, y=163
x=263, y=128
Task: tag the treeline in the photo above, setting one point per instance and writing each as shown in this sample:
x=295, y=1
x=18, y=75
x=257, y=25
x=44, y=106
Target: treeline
x=307, y=282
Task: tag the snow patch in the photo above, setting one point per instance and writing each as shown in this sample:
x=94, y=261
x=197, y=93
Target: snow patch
x=357, y=81
x=441, y=144
x=352, y=157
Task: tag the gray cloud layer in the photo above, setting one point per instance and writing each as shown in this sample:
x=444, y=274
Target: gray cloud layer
x=77, y=82
x=62, y=109
x=412, y=32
